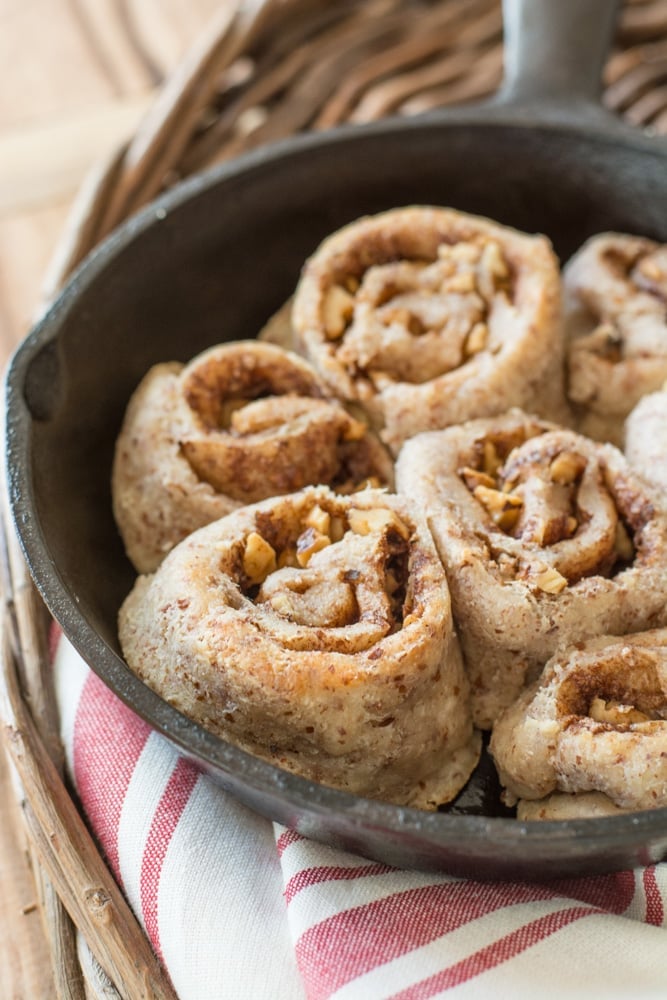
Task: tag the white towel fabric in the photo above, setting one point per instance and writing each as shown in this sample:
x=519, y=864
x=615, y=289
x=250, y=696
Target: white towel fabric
x=236, y=906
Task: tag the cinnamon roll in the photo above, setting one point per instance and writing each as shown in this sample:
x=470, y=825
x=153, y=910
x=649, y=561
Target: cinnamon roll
x=428, y=316
x=547, y=538
x=646, y=441
x=590, y=738
x=616, y=319
x=315, y=631
x=239, y=423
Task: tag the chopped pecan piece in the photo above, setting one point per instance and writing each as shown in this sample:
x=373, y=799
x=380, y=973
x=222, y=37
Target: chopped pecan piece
x=476, y=340
x=259, y=558
x=337, y=311
x=473, y=478
x=318, y=519
x=550, y=581
x=308, y=543
x=566, y=467
x=503, y=508
x=363, y=522
x=615, y=712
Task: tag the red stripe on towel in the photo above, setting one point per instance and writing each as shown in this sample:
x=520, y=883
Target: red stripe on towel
x=108, y=740
x=494, y=954
x=167, y=815
x=325, y=873
x=286, y=839
x=655, y=911
x=357, y=940
x=613, y=893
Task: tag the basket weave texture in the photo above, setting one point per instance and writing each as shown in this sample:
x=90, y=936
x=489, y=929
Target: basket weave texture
x=264, y=70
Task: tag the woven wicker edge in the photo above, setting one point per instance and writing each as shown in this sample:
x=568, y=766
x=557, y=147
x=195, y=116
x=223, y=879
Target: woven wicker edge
x=75, y=887
x=265, y=69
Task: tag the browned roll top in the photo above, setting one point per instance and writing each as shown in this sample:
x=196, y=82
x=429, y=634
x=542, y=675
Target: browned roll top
x=428, y=316
x=591, y=734
x=239, y=423
x=314, y=630
x=263, y=424
x=547, y=537
x=558, y=515
x=616, y=318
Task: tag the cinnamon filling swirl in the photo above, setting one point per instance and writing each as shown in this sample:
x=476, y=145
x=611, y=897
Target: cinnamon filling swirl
x=596, y=722
x=346, y=570
x=616, y=313
x=315, y=630
x=552, y=495
x=413, y=320
x=547, y=538
x=239, y=423
x=428, y=316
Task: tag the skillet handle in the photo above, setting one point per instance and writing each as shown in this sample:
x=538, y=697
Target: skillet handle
x=555, y=51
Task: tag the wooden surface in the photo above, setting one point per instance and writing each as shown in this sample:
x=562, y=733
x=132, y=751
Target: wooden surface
x=75, y=76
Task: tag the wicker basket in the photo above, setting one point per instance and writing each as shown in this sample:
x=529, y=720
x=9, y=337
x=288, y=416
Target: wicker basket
x=264, y=70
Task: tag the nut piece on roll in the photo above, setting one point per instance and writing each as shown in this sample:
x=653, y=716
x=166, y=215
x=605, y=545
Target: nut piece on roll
x=240, y=423
x=590, y=737
x=615, y=294
x=428, y=317
x=314, y=630
x=547, y=538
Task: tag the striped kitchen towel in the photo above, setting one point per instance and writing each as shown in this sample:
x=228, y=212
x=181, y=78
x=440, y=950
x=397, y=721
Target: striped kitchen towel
x=237, y=907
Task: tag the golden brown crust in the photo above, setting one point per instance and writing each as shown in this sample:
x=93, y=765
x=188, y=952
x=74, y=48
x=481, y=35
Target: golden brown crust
x=547, y=537
x=596, y=722
x=615, y=309
x=428, y=316
x=315, y=631
x=239, y=423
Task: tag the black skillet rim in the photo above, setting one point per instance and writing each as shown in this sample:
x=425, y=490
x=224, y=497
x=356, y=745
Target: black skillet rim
x=603, y=835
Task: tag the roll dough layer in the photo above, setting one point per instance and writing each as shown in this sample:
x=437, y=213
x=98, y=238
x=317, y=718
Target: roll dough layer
x=315, y=631
x=428, y=317
x=616, y=321
x=547, y=538
x=590, y=737
x=239, y=423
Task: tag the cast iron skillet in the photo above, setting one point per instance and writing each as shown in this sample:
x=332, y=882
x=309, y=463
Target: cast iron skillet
x=210, y=262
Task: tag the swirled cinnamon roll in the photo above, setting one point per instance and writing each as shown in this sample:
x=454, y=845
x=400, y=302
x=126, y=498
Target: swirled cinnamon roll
x=590, y=738
x=315, y=631
x=239, y=423
x=428, y=316
x=547, y=538
x=646, y=441
x=616, y=320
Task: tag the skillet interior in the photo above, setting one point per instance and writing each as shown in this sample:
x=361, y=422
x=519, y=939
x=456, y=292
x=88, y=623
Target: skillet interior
x=210, y=263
